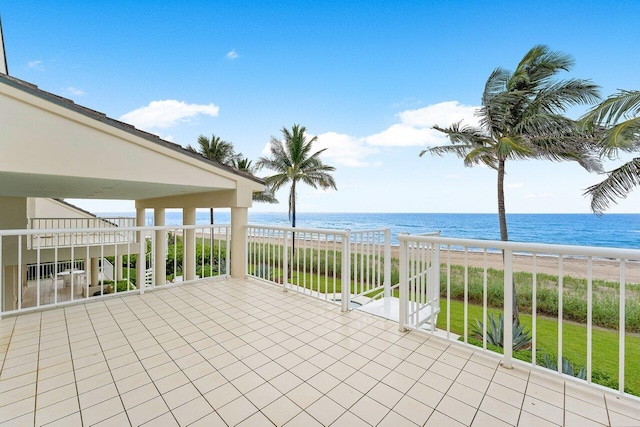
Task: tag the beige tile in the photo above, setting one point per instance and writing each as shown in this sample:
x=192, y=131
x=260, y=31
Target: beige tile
x=543, y=410
x=400, y=382
x=393, y=419
x=192, y=411
x=211, y=420
x=325, y=410
x=256, y=420
x=529, y=420
x=170, y=382
x=485, y=420
x=209, y=382
x=57, y=410
x=17, y=409
x=165, y=420
x=413, y=410
x=457, y=410
x=501, y=410
x=622, y=420
x=574, y=420
x=385, y=395
x=181, y=395
x=444, y=370
x=505, y=394
x=438, y=419
x=139, y=395
x=304, y=395
x=222, y=395
x=147, y=411
x=425, y=394
x=281, y=410
x=303, y=420
x=517, y=384
x=349, y=420
x=21, y=393
x=345, y=395
x=465, y=394
x=546, y=395
x=436, y=381
x=361, y=382
x=97, y=395
x=323, y=382
x=369, y=410
x=591, y=411
x=305, y=370
x=102, y=411
x=285, y=382
x=69, y=421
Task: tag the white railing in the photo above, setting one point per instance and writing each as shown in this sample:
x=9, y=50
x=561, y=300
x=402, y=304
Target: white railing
x=475, y=271
x=37, y=275
x=310, y=261
x=371, y=262
x=319, y=262
x=67, y=239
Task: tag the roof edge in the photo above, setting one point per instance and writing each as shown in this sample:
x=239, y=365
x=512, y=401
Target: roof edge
x=103, y=118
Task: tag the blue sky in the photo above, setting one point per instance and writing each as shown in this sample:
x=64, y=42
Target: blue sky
x=368, y=79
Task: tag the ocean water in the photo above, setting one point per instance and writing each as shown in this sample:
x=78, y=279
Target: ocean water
x=611, y=230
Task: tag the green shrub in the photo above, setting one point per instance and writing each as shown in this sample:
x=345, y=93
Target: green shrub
x=495, y=333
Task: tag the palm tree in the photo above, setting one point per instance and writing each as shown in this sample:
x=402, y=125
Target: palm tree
x=521, y=117
x=245, y=165
x=617, y=121
x=293, y=163
x=217, y=150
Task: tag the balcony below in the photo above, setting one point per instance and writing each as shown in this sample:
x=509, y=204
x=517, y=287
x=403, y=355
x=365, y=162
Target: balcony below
x=241, y=352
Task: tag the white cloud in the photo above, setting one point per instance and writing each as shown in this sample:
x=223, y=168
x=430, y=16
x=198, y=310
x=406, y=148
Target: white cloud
x=232, y=54
x=37, y=65
x=415, y=127
x=75, y=91
x=167, y=113
x=442, y=114
x=344, y=150
x=515, y=185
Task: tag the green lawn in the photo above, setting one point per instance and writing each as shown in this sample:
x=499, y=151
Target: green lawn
x=574, y=338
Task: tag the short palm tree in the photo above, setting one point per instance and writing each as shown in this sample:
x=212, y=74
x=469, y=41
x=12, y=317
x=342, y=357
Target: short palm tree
x=218, y=150
x=245, y=165
x=293, y=162
x=521, y=117
x=617, y=122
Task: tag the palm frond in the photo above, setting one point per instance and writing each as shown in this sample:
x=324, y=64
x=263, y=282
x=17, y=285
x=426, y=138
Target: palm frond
x=617, y=185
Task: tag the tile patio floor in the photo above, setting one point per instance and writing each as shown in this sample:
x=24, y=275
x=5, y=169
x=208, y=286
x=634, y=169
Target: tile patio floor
x=239, y=352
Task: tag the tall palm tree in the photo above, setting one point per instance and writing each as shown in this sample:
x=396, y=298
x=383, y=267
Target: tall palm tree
x=521, y=117
x=617, y=121
x=218, y=150
x=293, y=163
x=246, y=165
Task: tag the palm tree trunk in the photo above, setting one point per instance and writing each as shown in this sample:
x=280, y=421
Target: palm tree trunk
x=504, y=235
x=293, y=224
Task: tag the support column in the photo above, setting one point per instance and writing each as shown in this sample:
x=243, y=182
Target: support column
x=119, y=268
x=159, y=257
x=239, y=219
x=141, y=264
x=95, y=269
x=189, y=245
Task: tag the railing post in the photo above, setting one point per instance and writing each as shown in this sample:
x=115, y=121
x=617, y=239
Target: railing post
x=285, y=261
x=404, y=288
x=346, y=271
x=508, y=308
x=227, y=259
x=141, y=263
x=387, y=263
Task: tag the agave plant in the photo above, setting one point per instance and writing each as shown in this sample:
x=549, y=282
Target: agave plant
x=567, y=367
x=495, y=333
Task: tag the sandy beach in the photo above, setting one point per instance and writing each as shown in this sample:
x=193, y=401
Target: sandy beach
x=603, y=269
x=575, y=267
